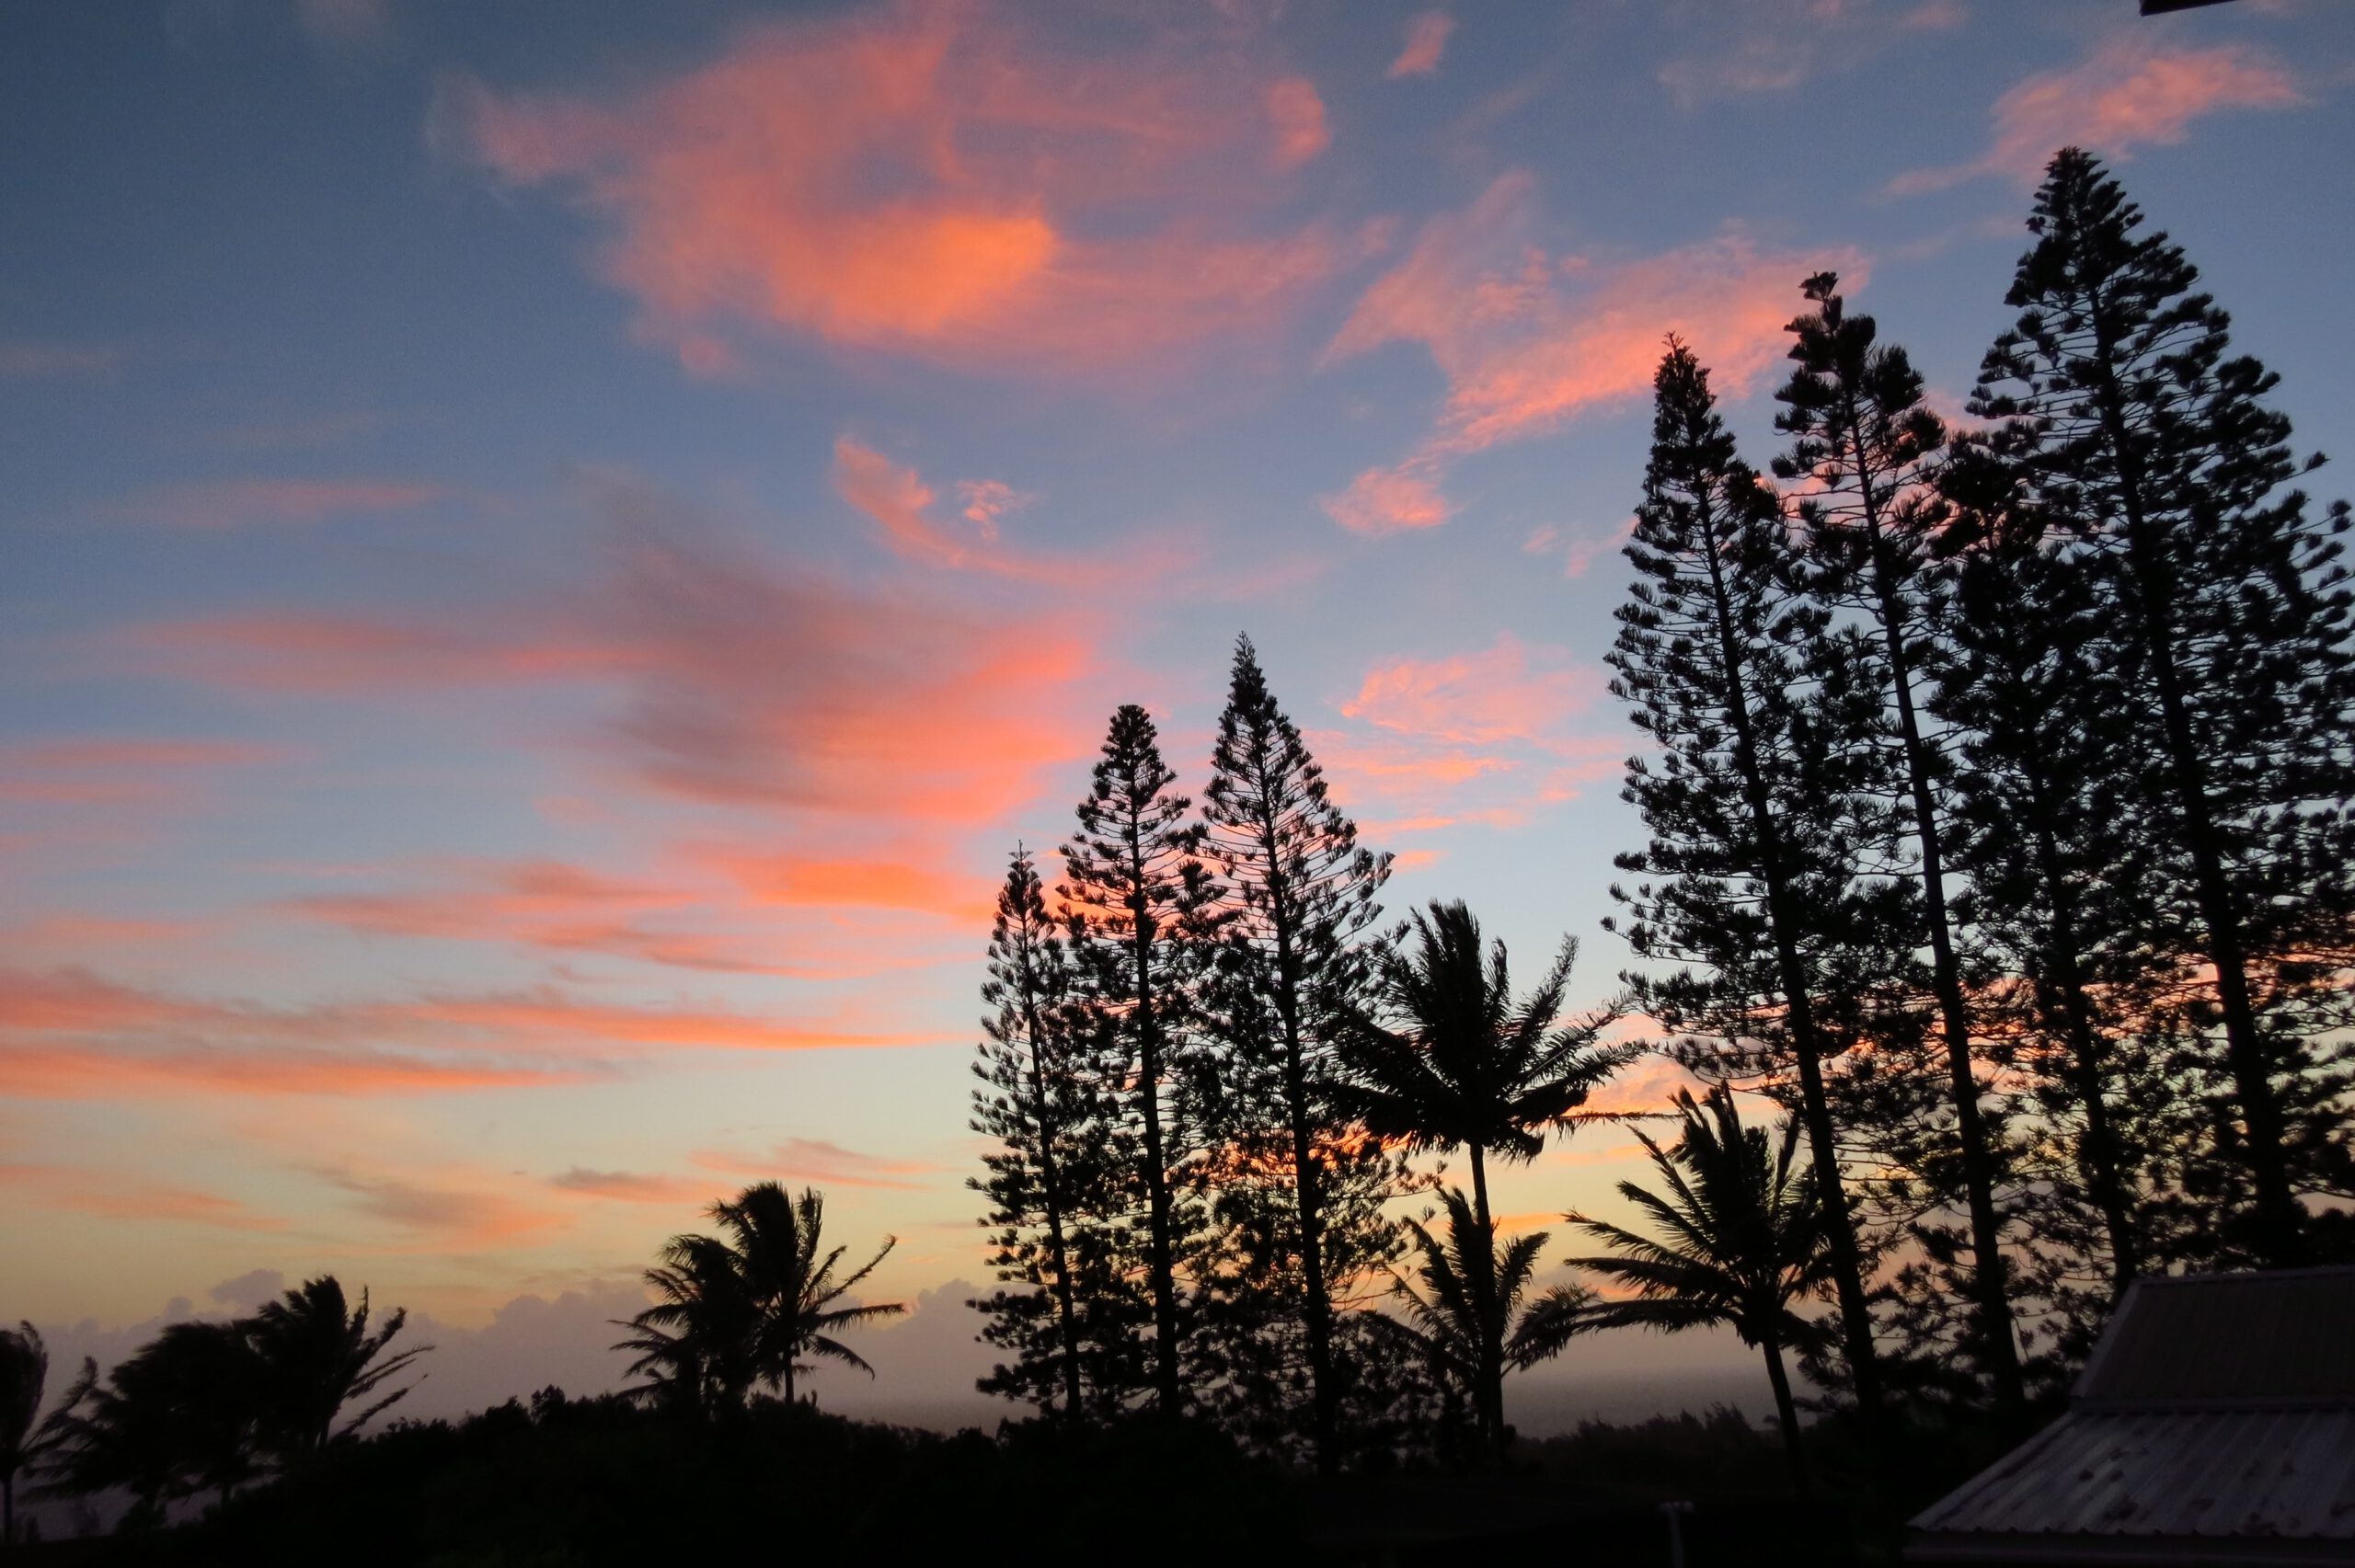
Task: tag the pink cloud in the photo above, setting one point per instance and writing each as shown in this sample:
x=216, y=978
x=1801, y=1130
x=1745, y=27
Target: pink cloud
x=1528, y=340
x=627, y=1187
x=817, y=1160
x=1298, y=116
x=108, y=1195
x=1427, y=34
x=2130, y=93
x=1509, y=692
x=930, y=178
x=69, y=1033
x=898, y=500
x=219, y=506
x=120, y=770
x=1390, y=500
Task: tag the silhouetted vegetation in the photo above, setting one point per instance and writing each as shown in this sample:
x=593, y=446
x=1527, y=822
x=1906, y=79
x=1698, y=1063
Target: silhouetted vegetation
x=1996, y=788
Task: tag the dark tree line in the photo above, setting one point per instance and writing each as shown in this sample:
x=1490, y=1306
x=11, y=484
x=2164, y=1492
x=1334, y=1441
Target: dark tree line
x=206, y=1407
x=1998, y=804
x=1996, y=788
x=1205, y=1069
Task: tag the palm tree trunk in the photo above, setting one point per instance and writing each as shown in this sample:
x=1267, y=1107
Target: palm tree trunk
x=1787, y=1415
x=9, y=1509
x=1492, y=1370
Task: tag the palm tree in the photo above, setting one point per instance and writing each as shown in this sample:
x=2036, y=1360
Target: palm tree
x=742, y=1310
x=182, y=1416
x=1740, y=1239
x=1452, y=1063
x=318, y=1355
x=1454, y=1324
x=24, y=1377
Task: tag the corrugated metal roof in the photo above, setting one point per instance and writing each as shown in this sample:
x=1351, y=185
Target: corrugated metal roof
x=2281, y=1473
x=2242, y=1337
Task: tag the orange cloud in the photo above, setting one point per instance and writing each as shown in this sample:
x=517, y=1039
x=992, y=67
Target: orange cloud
x=58, y=361
x=440, y=1217
x=108, y=1196
x=1528, y=340
x=2129, y=93
x=798, y=882
x=1510, y=691
x=71, y=1034
x=1426, y=33
x=928, y=179
x=815, y=1159
x=737, y=679
x=218, y=506
x=628, y=1187
x=120, y=770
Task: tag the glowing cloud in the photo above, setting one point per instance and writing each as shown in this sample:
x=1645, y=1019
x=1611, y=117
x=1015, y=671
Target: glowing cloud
x=2129, y=94
x=926, y=179
x=1528, y=340
x=1427, y=34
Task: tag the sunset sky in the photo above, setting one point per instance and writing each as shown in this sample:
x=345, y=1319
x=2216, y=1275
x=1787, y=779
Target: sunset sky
x=549, y=550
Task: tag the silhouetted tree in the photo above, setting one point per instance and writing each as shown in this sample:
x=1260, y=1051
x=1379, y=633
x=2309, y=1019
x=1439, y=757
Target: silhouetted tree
x=1134, y=890
x=24, y=1380
x=1298, y=897
x=1736, y=1240
x=1759, y=806
x=1447, y=1060
x=1057, y=1175
x=316, y=1354
x=1470, y=1314
x=1865, y=443
x=182, y=1416
x=2231, y=612
x=740, y=1311
x=2045, y=741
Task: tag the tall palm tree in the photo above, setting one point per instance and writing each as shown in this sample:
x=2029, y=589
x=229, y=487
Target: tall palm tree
x=1453, y=1324
x=23, y=1377
x=181, y=1416
x=1740, y=1239
x=1450, y=1060
x=317, y=1355
x=742, y=1309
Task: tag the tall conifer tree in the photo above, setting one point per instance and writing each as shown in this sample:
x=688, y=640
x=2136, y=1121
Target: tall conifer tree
x=1866, y=444
x=1133, y=889
x=1756, y=808
x=1298, y=897
x=2145, y=436
x=1044, y=1180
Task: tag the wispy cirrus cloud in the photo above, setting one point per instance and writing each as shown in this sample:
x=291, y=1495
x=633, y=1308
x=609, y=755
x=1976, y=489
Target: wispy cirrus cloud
x=219, y=506
x=120, y=771
x=1479, y=739
x=2130, y=93
x=1427, y=36
x=936, y=180
x=1528, y=339
x=71, y=1034
x=108, y=1194
x=815, y=1159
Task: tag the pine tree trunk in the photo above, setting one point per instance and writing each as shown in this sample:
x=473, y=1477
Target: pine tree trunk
x=1847, y=1260
x=1998, y=1351
x=1156, y=1166
x=2099, y=1154
x=1491, y=1411
x=1786, y=1415
x=1049, y=1176
x=2279, y=1234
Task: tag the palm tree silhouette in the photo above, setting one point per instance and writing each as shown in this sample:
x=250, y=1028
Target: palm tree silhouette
x=1452, y=1063
x=1740, y=1238
x=23, y=1377
x=742, y=1309
x=181, y=1416
x=1460, y=1328
x=317, y=1355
